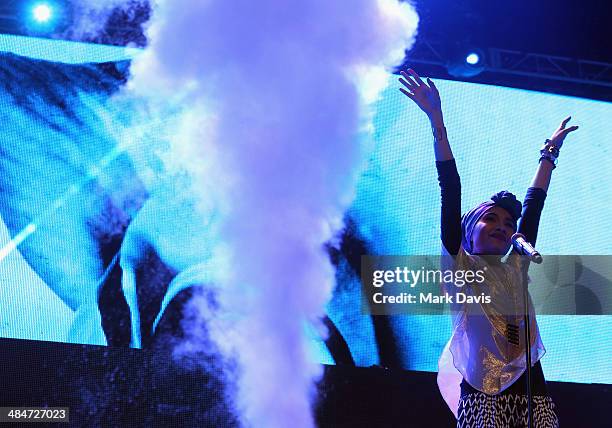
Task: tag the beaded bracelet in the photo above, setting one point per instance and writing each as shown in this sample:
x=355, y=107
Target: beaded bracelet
x=550, y=152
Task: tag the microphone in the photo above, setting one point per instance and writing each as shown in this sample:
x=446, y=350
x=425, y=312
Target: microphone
x=525, y=248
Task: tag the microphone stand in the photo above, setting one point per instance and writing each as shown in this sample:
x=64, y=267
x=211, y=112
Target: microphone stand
x=527, y=321
x=524, y=248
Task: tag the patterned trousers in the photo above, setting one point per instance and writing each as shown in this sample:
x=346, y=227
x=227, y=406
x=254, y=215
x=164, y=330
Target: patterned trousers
x=480, y=410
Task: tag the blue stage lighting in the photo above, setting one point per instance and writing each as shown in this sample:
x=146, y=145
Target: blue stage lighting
x=41, y=18
x=42, y=13
x=473, y=58
x=466, y=61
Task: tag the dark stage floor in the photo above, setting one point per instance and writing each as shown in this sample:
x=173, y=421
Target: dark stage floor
x=124, y=387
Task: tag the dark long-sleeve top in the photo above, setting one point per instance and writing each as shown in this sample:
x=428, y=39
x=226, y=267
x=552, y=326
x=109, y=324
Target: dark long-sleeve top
x=450, y=191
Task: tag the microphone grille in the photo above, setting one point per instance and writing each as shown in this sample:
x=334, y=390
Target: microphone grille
x=514, y=238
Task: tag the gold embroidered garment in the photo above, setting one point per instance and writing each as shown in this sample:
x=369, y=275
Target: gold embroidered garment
x=487, y=346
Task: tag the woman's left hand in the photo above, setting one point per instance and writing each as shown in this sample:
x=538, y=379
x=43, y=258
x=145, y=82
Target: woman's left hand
x=561, y=132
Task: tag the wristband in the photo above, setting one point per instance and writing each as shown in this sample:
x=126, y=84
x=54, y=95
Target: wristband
x=550, y=152
x=439, y=133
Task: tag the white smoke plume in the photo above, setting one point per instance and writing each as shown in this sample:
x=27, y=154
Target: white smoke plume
x=275, y=94
x=276, y=124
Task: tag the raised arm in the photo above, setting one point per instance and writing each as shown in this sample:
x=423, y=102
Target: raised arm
x=536, y=194
x=427, y=98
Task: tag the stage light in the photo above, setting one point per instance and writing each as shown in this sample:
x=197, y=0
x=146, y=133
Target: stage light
x=465, y=61
x=42, y=18
x=473, y=58
x=42, y=13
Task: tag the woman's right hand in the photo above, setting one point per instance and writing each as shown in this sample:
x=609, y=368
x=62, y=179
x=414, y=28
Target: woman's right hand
x=426, y=97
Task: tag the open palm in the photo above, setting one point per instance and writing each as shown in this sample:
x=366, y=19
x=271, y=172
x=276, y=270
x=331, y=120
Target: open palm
x=424, y=96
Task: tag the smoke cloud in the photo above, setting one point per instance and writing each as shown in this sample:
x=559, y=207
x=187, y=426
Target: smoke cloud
x=275, y=97
x=273, y=125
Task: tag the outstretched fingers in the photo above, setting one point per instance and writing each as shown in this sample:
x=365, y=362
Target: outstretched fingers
x=407, y=93
x=562, y=127
x=407, y=81
x=570, y=129
x=561, y=132
x=432, y=85
x=412, y=81
x=416, y=77
x=564, y=122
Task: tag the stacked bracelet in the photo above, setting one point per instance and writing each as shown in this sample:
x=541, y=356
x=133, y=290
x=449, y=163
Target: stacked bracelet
x=550, y=152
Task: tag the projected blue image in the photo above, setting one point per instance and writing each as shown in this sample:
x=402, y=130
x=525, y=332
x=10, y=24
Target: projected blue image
x=77, y=196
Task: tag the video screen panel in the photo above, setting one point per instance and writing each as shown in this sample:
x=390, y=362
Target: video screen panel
x=69, y=195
